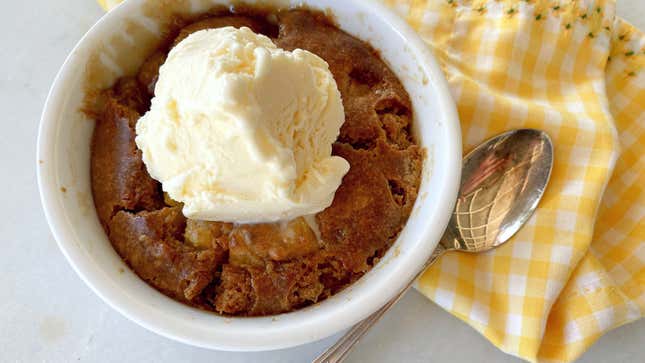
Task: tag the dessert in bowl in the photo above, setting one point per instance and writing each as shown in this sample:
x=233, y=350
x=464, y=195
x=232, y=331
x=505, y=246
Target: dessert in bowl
x=289, y=290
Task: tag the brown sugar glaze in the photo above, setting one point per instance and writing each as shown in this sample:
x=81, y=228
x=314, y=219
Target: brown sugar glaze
x=264, y=268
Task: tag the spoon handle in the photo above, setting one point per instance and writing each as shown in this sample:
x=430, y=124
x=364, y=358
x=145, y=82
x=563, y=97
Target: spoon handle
x=339, y=351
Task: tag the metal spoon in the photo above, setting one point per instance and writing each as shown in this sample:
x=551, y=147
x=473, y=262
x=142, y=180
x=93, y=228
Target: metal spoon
x=502, y=182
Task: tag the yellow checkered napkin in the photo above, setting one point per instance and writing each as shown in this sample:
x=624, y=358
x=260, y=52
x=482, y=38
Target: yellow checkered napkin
x=577, y=269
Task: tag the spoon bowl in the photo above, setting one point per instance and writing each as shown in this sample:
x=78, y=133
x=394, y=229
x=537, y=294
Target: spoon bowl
x=503, y=179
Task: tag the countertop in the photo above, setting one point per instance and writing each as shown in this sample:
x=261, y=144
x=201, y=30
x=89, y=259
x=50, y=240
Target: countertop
x=48, y=314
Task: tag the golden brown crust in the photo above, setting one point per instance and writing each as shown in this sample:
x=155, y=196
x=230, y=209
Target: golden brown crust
x=270, y=268
x=119, y=177
x=150, y=242
x=149, y=71
x=368, y=212
x=234, y=293
x=218, y=22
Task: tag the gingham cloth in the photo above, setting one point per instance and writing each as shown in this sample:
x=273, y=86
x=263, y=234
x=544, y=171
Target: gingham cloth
x=571, y=68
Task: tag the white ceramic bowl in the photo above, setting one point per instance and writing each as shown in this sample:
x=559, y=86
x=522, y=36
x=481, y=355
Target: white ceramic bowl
x=116, y=45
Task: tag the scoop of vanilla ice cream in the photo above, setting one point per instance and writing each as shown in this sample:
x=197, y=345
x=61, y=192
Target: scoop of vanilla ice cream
x=241, y=131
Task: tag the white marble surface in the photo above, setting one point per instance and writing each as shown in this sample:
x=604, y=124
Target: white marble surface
x=47, y=313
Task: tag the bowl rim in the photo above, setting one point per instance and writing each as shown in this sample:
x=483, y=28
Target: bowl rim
x=144, y=316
